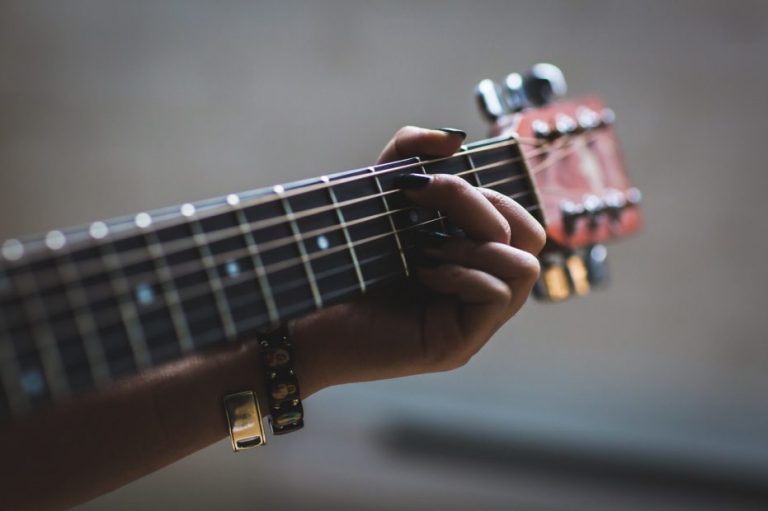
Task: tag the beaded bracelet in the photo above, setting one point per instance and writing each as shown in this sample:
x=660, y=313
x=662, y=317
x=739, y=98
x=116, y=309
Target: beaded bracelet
x=285, y=411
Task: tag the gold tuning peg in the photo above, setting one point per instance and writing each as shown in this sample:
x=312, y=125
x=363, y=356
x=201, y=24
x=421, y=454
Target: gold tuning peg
x=553, y=284
x=578, y=274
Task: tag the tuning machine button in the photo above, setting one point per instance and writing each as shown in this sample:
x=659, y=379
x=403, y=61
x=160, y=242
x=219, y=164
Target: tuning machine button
x=587, y=118
x=490, y=100
x=596, y=260
x=615, y=202
x=571, y=213
x=593, y=207
x=542, y=130
x=607, y=116
x=553, y=284
x=565, y=125
x=578, y=274
x=634, y=197
x=542, y=84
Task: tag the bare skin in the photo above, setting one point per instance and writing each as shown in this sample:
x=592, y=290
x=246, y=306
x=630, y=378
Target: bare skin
x=435, y=322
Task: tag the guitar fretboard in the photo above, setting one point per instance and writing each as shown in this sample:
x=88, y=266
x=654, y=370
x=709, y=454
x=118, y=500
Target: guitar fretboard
x=80, y=308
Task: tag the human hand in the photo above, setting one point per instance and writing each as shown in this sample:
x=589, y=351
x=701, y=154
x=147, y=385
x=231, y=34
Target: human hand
x=438, y=320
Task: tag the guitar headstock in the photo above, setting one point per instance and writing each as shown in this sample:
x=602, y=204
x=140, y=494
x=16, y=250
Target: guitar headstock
x=573, y=155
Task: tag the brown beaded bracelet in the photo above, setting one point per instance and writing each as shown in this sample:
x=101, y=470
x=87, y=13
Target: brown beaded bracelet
x=286, y=413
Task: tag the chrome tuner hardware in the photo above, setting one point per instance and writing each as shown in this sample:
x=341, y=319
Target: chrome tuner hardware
x=596, y=260
x=571, y=273
x=611, y=204
x=553, y=284
x=489, y=99
x=539, y=86
x=571, y=214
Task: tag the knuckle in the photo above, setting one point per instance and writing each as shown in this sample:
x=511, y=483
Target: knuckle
x=539, y=237
x=404, y=131
x=530, y=266
x=505, y=232
x=447, y=355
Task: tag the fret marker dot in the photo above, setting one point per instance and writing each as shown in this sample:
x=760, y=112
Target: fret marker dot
x=233, y=269
x=413, y=216
x=32, y=382
x=187, y=210
x=55, y=240
x=13, y=250
x=233, y=199
x=322, y=242
x=144, y=294
x=98, y=230
x=143, y=220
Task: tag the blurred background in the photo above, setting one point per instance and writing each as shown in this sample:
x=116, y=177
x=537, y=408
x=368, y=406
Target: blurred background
x=649, y=395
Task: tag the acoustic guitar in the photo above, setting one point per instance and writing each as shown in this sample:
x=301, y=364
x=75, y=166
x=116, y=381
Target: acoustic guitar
x=83, y=307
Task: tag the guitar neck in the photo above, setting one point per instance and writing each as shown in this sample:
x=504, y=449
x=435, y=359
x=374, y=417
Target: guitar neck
x=82, y=307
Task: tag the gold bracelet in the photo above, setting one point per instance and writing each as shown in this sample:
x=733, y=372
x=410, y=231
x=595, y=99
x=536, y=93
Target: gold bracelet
x=246, y=429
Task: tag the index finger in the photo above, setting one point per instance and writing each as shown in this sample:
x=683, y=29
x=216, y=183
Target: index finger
x=464, y=205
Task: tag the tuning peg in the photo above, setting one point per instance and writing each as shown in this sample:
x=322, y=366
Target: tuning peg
x=596, y=261
x=489, y=99
x=553, y=284
x=514, y=92
x=539, y=86
x=578, y=274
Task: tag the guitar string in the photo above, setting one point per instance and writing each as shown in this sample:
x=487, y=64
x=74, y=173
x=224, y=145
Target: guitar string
x=93, y=266
x=178, y=246
x=238, y=253
x=204, y=288
x=289, y=286
x=102, y=293
x=286, y=194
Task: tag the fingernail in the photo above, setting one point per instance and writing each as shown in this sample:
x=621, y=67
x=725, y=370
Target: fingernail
x=430, y=239
x=454, y=131
x=412, y=181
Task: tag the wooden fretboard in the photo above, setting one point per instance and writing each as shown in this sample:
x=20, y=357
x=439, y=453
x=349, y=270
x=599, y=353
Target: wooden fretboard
x=80, y=308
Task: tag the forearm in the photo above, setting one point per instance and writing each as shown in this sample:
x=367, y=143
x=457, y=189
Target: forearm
x=68, y=454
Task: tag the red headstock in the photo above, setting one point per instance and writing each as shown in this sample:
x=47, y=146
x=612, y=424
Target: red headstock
x=577, y=166
x=578, y=170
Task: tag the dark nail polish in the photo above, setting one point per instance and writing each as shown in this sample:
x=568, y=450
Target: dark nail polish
x=412, y=181
x=430, y=239
x=454, y=131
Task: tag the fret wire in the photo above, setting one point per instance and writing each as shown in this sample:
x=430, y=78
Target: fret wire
x=259, y=265
x=471, y=163
x=477, y=147
x=302, y=249
x=45, y=341
x=86, y=326
x=170, y=292
x=392, y=221
x=260, y=224
x=443, y=225
x=131, y=315
x=252, y=247
x=10, y=373
x=253, y=322
x=347, y=238
x=222, y=304
x=128, y=311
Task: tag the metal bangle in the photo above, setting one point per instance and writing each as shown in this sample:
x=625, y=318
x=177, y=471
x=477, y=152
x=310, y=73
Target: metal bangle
x=286, y=414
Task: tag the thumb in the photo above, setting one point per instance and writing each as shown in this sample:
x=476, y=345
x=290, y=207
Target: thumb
x=412, y=141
